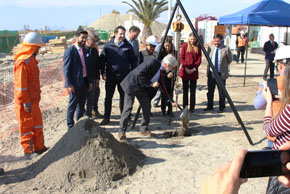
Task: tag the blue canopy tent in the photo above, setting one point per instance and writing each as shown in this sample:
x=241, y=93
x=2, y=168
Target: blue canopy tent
x=263, y=13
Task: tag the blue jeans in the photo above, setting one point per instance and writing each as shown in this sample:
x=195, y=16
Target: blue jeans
x=270, y=143
x=76, y=104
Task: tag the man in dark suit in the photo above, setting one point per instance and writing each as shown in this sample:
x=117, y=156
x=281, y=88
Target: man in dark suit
x=269, y=49
x=117, y=60
x=77, y=77
x=221, y=57
x=94, y=66
x=135, y=84
x=133, y=34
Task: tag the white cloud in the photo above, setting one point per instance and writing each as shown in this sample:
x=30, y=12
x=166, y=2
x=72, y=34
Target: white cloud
x=59, y=3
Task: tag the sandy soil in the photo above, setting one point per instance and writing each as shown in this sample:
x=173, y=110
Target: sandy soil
x=173, y=165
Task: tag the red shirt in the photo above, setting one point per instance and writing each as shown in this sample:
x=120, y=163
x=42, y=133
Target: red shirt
x=189, y=60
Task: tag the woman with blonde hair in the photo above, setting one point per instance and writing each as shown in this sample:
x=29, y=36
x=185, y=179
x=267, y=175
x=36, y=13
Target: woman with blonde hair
x=190, y=58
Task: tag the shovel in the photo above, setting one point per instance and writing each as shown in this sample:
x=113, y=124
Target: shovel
x=184, y=116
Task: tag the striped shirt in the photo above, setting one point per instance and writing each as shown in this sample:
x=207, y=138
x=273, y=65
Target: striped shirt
x=280, y=127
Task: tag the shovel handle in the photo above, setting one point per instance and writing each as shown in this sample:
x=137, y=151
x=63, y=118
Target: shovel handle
x=179, y=107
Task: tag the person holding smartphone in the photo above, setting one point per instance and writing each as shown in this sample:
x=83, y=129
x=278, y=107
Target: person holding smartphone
x=226, y=179
x=279, y=125
x=259, y=101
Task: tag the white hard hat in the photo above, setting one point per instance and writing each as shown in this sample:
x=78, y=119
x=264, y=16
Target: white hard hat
x=282, y=53
x=242, y=32
x=152, y=40
x=170, y=33
x=33, y=38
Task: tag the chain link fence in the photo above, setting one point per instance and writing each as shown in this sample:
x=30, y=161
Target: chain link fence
x=50, y=72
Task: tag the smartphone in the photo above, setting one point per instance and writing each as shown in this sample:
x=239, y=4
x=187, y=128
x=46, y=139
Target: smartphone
x=272, y=84
x=265, y=163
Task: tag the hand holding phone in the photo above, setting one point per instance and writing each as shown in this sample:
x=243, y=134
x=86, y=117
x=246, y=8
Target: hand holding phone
x=272, y=84
x=265, y=163
x=226, y=178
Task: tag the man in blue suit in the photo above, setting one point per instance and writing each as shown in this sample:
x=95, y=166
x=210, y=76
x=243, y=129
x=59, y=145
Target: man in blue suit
x=117, y=60
x=269, y=49
x=77, y=77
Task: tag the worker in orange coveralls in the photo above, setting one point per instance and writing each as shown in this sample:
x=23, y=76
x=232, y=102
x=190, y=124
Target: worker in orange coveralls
x=27, y=96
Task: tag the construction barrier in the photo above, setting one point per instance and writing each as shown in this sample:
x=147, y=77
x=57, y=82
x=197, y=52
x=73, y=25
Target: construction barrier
x=8, y=39
x=50, y=74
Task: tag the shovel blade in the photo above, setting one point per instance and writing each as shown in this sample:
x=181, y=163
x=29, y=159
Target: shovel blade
x=184, y=113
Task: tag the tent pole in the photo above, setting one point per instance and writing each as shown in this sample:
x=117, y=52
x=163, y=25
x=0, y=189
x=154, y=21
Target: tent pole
x=246, y=61
x=218, y=79
x=286, y=35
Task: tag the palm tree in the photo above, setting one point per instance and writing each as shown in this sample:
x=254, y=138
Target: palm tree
x=147, y=11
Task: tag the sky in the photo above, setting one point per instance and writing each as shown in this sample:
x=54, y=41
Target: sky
x=69, y=14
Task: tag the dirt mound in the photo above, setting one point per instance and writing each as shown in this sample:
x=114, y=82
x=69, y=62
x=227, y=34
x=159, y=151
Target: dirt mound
x=112, y=20
x=86, y=159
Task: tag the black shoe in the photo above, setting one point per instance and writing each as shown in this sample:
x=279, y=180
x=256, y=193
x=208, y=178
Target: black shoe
x=41, y=151
x=221, y=110
x=191, y=110
x=105, y=121
x=207, y=109
x=96, y=114
x=1, y=171
x=151, y=114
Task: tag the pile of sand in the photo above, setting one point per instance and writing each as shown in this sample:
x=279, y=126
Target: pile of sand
x=87, y=158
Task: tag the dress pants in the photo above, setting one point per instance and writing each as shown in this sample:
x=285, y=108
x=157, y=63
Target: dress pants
x=271, y=65
x=77, y=104
x=211, y=83
x=96, y=101
x=186, y=85
x=110, y=86
x=157, y=97
x=92, y=99
x=241, y=51
x=144, y=100
x=164, y=98
x=152, y=92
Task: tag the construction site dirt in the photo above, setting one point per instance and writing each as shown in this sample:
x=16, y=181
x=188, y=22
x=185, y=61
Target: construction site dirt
x=88, y=159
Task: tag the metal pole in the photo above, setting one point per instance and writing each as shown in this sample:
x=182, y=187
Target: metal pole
x=167, y=29
x=218, y=79
x=286, y=35
x=246, y=61
x=136, y=117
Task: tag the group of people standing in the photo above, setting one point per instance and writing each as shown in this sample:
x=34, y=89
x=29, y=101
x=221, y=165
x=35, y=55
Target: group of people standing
x=120, y=64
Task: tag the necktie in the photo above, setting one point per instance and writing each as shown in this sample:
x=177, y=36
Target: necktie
x=216, y=60
x=163, y=85
x=83, y=63
x=273, y=44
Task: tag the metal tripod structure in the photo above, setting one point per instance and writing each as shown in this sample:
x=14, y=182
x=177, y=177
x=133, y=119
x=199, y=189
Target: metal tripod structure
x=218, y=79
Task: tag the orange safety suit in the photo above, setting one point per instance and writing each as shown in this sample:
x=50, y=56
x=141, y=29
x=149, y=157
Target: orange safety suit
x=242, y=42
x=27, y=90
